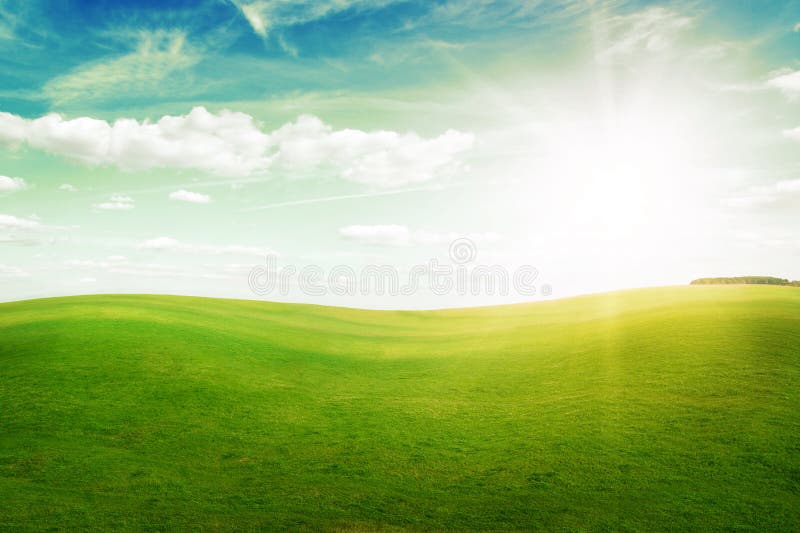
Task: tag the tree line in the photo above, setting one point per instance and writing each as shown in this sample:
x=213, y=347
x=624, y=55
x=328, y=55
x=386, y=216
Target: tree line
x=746, y=280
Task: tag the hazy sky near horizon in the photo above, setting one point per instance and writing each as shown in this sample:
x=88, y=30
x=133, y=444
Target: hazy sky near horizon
x=168, y=147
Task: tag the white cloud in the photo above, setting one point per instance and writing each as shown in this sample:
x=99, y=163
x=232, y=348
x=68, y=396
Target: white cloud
x=797, y=27
x=12, y=19
x=28, y=231
x=114, y=206
x=385, y=235
x=264, y=15
x=87, y=263
x=117, y=202
x=169, y=244
x=254, y=15
x=231, y=144
x=784, y=193
x=12, y=184
x=227, y=143
x=6, y=30
x=382, y=158
x=398, y=235
x=13, y=129
x=157, y=56
x=17, y=223
x=117, y=264
x=786, y=80
x=154, y=270
x=749, y=201
x=67, y=187
x=793, y=134
x=652, y=30
x=188, y=196
x=788, y=186
x=9, y=271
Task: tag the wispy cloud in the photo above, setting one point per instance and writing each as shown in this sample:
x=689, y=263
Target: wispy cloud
x=784, y=193
x=91, y=264
x=10, y=19
x=341, y=197
x=401, y=235
x=6, y=29
x=786, y=80
x=168, y=244
x=266, y=15
x=255, y=13
x=10, y=271
x=119, y=265
x=144, y=71
x=653, y=30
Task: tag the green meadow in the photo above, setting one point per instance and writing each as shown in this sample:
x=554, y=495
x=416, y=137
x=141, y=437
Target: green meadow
x=657, y=409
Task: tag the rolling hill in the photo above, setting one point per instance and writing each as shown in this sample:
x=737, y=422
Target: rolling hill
x=671, y=408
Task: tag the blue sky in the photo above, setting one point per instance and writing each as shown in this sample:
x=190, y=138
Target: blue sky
x=318, y=46
x=168, y=146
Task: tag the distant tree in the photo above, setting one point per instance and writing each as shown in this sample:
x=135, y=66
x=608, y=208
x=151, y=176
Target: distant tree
x=746, y=280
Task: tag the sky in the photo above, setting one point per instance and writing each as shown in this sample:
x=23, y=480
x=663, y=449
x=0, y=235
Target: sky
x=207, y=147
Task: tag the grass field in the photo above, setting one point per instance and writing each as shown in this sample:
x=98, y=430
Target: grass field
x=657, y=409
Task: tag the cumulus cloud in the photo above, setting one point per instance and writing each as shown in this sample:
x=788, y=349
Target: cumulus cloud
x=786, y=80
x=117, y=202
x=382, y=158
x=8, y=184
x=399, y=235
x=26, y=231
x=227, y=143
x=189, y=196
x=232, y=144
x=18, y=223
x=67, y=187
x=168, y=244
x=13, y=129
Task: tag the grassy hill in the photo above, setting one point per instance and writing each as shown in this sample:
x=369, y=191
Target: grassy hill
x=674, y=408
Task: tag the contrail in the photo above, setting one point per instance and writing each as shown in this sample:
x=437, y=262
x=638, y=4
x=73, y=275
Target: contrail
x=349, y=197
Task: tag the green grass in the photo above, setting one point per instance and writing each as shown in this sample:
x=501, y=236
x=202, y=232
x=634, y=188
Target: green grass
x=659, y=409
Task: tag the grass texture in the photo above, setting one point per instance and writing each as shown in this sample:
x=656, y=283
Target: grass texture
x=657, y=409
